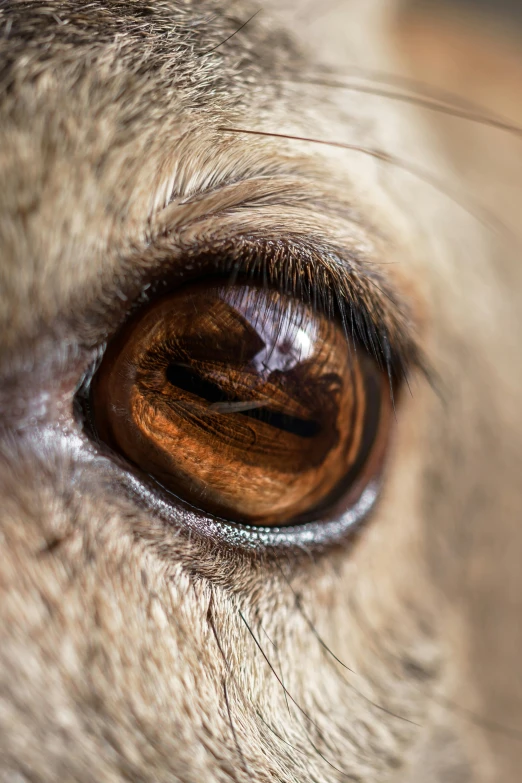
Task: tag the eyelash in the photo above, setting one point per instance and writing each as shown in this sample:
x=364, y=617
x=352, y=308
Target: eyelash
x=370, y=310
x=312, y=277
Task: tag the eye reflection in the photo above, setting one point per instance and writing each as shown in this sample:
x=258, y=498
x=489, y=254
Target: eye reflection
x=245, y=402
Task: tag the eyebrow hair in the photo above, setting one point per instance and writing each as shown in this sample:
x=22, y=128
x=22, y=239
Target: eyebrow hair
x=277, y=185
x=305, y=261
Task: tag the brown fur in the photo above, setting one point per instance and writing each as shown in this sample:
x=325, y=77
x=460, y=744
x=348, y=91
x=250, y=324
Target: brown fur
x=132, y=649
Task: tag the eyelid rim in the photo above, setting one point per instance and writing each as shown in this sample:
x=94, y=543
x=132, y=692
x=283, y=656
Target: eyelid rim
x=234, y=253
x=284, y=260
x=276, y=541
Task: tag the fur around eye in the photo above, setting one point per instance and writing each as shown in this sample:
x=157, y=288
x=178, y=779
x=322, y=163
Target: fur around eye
x=245, y=402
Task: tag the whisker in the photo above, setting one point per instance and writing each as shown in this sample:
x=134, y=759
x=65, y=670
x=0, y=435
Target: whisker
x=280, y=737
x=222, y=43
x=478, y=211
x=423, y=89
x=330, y=652
x=479, y=720
x=210, y=620
x=276, y=649
x=479, y=115
x=471, y=715
x=258, y=645
x=348, y=776
x=233, y=730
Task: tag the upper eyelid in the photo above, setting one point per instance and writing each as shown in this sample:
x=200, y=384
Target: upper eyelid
x=259, y=195
x=311, y=250
x=305, y=266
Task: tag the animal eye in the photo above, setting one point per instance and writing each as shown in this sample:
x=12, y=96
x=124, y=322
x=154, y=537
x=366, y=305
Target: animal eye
x=246, y=402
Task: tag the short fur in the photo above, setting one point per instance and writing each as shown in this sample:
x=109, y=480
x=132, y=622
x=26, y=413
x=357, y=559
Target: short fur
x=132, y=650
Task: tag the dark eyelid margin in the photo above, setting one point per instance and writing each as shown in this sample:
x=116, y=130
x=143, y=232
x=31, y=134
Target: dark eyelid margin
x=272, y=542
x=335, y=282
x=374, y=314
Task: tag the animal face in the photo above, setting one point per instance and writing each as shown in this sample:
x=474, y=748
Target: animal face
x=260, y=435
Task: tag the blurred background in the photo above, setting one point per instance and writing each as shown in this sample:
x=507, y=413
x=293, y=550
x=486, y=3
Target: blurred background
x=472, y=48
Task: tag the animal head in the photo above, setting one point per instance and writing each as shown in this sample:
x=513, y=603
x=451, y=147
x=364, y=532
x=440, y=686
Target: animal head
x=226, y=566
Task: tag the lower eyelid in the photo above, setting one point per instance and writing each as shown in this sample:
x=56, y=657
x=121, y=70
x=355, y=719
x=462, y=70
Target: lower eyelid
x=375, y=317
x=273, y=542
x=127, y=370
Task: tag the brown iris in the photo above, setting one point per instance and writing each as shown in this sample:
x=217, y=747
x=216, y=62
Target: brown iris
x=245, y=402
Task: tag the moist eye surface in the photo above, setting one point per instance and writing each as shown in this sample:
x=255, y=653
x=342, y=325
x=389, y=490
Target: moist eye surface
x=244, y=401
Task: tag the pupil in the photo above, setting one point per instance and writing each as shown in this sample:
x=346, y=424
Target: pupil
x=190, y=381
